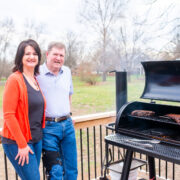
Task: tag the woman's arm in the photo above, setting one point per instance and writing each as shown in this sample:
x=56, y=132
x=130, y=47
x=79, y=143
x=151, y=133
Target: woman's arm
x=11, y=99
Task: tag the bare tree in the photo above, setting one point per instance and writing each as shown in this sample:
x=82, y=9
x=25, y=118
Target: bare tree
x=74, y=50
x=171, y=50
x=6, y=35
x=33, y=30
x=131, y=41
x=176, y=49
x=128, y=47
x=102, y=15
x=123, y=45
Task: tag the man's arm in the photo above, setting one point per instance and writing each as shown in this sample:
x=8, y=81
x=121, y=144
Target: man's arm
x=70, y=100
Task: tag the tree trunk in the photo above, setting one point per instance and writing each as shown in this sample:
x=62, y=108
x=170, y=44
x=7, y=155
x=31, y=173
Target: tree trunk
x=129, y=76
x=104, y=76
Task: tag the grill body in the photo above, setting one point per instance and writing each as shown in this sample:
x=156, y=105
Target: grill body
x=156, y=127
x=162, y=82
x=138, y=133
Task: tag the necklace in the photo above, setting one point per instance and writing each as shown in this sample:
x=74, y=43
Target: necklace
x=32, y=81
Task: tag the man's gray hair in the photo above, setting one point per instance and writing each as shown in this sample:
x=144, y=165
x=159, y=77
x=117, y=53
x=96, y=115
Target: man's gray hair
x=58, y=45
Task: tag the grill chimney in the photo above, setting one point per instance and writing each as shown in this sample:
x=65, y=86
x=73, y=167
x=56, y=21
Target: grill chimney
x=121, y=89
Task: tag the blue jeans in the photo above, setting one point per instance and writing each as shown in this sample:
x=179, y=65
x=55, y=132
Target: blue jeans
x=28, y=171
x=60, y=136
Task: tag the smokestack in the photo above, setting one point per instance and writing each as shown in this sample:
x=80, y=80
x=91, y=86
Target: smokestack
x=121, y=90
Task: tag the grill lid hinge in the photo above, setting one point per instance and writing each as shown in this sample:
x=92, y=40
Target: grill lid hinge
x=152, y=101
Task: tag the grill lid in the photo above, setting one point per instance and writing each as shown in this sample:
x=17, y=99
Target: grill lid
x=162, y=80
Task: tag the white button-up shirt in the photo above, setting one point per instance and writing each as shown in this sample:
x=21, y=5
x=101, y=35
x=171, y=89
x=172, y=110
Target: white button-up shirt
x=56, y=89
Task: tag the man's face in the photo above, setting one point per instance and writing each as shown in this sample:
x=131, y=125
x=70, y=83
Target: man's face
x=55, y=59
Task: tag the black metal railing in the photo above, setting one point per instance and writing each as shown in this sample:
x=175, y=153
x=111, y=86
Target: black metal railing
x=90, y=152
x=91, y=157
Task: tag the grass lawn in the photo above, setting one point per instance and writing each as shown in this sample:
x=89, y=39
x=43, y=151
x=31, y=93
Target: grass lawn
x=101, y=97
x=92, y=99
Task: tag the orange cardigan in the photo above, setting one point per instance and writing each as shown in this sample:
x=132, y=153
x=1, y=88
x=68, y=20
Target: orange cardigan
x=15, y=111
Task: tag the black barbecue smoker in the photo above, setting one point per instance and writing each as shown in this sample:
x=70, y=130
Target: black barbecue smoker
x=156, y=135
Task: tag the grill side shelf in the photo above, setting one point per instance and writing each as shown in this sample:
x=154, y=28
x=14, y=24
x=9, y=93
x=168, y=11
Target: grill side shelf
x=160, y=150
x=156, y=118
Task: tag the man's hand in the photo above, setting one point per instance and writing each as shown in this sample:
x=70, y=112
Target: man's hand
x=23, y=155
x=73, y=121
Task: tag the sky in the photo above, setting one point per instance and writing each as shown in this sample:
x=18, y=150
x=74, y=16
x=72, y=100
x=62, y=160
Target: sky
x=154, y=23
x=57, y=15
x=60, y=16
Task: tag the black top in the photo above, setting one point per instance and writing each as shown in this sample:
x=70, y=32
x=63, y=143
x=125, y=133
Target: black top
x=36, y=109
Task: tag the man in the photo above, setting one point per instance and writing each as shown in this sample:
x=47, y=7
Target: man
x=59, y=143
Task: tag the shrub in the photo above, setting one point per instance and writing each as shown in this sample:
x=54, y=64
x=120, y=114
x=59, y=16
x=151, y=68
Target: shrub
x=85, y=72
x=91, y=79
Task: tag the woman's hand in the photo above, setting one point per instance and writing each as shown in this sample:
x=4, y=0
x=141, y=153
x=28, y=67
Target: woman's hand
x=23, y=155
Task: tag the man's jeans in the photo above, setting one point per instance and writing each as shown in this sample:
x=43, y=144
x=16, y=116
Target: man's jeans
x=60, y=136
x=28, y=171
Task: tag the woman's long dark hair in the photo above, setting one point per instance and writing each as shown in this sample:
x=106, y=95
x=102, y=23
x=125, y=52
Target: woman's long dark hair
x=20, y=53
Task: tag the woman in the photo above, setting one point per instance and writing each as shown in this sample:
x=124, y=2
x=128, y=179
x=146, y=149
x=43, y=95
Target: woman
x=24, y=113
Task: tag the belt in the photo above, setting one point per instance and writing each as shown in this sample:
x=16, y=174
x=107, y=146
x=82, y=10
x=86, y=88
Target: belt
x=58, y=119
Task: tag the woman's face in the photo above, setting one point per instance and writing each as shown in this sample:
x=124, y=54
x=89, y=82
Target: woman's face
x=30, y=58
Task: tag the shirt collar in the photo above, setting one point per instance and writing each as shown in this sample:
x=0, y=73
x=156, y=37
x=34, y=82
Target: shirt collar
x=47, y=71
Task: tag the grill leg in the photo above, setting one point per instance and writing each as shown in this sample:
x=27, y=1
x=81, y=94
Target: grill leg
x=127, y=165
x=152, y=171
x=105, y=165
x=107, y=161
